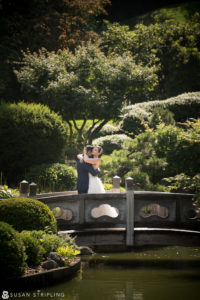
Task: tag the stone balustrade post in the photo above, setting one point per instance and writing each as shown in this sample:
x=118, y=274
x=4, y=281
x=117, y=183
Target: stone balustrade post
x=129, y=212
x=24, y=188
x=32, y=190
x=81, y=210
x=116, y=184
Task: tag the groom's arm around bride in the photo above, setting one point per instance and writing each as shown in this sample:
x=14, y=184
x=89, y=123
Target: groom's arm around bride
x=83, y=169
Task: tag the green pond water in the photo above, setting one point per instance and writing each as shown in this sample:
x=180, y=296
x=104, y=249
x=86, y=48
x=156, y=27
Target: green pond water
x=154, y=274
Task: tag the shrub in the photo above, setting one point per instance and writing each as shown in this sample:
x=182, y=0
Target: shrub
x=133, y=121
x=108, y=186
x=27, y=214
x=161, y=115
x=115, y=164
x=183, y=107
x=108, y=129
x=180, y=147
x=109, y=143
x=12, y=252
x=49, y=242
x=141, y=179
x=34, y=251
x=5, y=192
x=53, y=177
x=30, y=134
x=68, y=252
x=185, y=184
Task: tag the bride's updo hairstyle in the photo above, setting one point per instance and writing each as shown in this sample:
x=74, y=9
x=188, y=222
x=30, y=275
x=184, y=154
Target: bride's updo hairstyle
x=100, y=151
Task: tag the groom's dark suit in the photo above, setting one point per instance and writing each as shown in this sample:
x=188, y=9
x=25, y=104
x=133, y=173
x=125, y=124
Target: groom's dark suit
x=83, y=179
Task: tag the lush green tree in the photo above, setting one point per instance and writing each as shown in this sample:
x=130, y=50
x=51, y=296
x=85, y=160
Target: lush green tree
x=33, y=24
x=119, y=38
x=84, y=85
x=171, y=46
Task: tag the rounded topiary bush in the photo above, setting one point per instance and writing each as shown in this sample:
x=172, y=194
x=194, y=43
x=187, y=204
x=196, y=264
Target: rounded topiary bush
x=12, y=252
x=53, y=177
x=182, y=107
x=133, y=122
x=108, y=129
x=109, y=143
x=30, y=134
x=27, y=214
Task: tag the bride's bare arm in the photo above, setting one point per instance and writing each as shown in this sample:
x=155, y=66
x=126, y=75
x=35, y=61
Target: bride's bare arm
x=80, y=156
x=92, y=161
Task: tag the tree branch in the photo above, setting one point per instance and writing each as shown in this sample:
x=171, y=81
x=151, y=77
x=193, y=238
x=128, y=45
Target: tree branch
x=91, y=127
x=70, y=129
x=96, y=130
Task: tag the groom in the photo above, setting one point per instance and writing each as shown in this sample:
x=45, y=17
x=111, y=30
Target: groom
x=83, y=169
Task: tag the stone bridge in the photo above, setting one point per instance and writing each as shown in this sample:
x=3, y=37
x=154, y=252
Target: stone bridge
x=117, y=220
x=126, y=219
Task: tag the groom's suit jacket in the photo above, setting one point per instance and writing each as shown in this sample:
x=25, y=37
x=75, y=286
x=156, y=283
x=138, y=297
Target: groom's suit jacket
x=83, y=178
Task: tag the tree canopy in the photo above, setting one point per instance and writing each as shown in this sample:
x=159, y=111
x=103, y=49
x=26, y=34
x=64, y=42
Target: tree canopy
x=33, y=24
x=171, y=46
x=85, y=84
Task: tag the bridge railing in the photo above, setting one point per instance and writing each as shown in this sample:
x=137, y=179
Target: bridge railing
x=117, y=209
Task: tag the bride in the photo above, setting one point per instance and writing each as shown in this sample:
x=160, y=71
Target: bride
x=95, y=183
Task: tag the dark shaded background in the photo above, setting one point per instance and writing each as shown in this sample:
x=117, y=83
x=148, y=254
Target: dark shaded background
x=124, y=9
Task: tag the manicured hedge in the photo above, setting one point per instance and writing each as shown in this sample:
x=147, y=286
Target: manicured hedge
x=134, y=121
x=184, y=106
x=12, y=252
x=27, y=214
x=109, y=143
x=30, y=134
x=108, y=129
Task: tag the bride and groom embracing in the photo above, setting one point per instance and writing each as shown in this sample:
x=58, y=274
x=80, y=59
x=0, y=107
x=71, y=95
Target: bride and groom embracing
x=88, y=164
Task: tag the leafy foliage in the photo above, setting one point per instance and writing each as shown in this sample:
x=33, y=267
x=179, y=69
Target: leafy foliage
x=12, y=252
x=84, y=85
x=161, y=115
x=156, y=154
x=185, y=184
x=68, y=252
x=108, y=129
x=50, y=242
x=180, y=147
x=34, y=251
x=133, y=122
x=36, y=24
x=117, y=163
x=27, y=214
x=5, y=192
x=171, y=46
x=111, y=142
x=182, y=107
x=52, y=177
x=30, y=134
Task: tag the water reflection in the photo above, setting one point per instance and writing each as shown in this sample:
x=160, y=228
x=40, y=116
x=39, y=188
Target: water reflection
x=105, y=282
x=117, y=284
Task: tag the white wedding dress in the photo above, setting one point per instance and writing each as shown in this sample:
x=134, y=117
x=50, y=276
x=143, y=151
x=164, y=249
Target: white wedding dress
x=95, y=185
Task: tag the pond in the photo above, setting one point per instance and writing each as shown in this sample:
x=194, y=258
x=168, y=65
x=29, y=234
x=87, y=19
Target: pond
x=145, y=274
